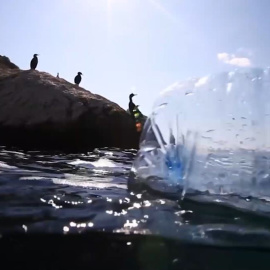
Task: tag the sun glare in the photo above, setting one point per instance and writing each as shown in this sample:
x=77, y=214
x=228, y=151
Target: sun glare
x=111, y=4
x=109, y=15
x=162, y=9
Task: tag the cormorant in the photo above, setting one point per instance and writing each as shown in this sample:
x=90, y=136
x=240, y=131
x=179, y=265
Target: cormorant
x=57, y=75
x=78, y=78
x=34, y=62
x=131, y=105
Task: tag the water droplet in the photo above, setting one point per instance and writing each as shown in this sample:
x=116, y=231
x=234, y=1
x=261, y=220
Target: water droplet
x=229, y=87
x=207, y=138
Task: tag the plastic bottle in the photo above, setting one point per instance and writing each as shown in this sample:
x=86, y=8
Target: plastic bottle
x=210, y=134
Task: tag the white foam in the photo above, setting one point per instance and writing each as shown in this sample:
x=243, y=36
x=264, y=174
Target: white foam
x=78, y=181
x=102, y=165
x=3, y=165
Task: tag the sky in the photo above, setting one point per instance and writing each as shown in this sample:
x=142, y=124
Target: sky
x=139, y=46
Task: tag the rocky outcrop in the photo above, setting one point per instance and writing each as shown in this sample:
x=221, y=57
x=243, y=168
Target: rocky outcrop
x=6, y=64
x=40, y=111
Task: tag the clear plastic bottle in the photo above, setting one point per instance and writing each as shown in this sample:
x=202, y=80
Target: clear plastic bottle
x=210, y=135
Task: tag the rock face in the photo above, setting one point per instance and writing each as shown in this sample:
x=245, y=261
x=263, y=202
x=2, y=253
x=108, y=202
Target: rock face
x=39, y=111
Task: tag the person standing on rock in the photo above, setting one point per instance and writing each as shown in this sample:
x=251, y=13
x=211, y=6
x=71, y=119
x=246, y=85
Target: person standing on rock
x=78, y=78
x=34, y=62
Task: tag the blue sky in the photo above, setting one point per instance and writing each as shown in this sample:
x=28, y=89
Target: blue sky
x=141, y=46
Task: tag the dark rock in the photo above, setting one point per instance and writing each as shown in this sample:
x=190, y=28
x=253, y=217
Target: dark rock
x=40, y=111
x=5, y=63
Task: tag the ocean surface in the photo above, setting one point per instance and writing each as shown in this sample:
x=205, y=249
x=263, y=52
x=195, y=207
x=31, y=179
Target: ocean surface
x=74, y=210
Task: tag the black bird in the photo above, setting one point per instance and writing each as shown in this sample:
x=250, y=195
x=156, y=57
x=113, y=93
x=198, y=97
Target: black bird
x=78, y=78
x=34, y=62
x=131, y=105
x=57, y=75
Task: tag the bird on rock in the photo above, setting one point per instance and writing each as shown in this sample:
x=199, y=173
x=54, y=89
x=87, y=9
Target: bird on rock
x=131, y=105
x=34, y=62
x=78, y=78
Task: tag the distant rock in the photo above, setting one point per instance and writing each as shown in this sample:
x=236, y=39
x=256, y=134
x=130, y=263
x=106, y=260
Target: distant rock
x=6, y=64
x=40, y=111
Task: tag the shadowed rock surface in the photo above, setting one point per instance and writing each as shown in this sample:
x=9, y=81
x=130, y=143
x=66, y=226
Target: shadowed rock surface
x=40, y=111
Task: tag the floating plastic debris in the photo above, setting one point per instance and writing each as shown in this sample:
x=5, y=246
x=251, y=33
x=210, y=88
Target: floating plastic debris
x=186, y=144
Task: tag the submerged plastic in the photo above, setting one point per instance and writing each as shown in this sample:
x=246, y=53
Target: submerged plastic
x=209, y=134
